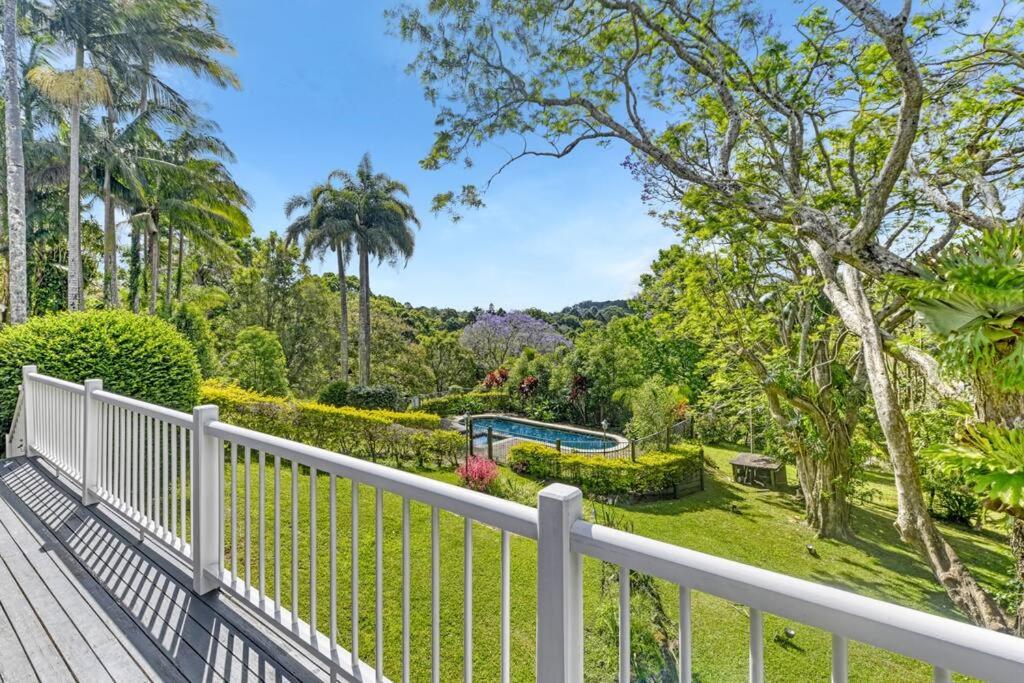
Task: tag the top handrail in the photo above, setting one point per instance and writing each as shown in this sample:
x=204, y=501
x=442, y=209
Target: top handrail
x=170, y=415
x=59, y=383
x=943, y=642
x=503, y=514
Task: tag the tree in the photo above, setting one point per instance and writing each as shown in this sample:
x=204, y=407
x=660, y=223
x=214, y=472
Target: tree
x=383, y=223
x=494, y=338
x=15, y=157
x=756, y=303
x=449, y=361
x=720, y=110
x=257, y=362
x=329, y=223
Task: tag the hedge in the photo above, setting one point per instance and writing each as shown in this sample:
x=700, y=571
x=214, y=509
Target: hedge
x=652, y=474
x=352, y=431
x=473, y=402
x=135, y=355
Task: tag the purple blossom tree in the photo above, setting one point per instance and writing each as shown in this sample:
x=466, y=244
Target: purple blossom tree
x=494, y=338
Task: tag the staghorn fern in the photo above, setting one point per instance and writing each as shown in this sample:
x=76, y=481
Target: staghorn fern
x=975, y=303
x=992, y=459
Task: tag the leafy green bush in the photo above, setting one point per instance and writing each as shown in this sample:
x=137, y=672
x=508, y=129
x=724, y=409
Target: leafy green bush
x=473, y=402
x=374, y=397
x=352, y=431
x=652, y=474
x=190, y=321
x=258, y=362
x=135, y=355
x=335, y=394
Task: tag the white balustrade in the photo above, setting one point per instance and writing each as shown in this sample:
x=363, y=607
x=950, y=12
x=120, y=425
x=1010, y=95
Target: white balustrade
x=187, y=481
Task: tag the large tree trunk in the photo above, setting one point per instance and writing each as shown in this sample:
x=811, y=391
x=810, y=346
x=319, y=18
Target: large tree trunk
x=154, y=262
x=75, y=302
x=364, y=315
x=17, y=257
x=913, y=522
x=111, y=296
x=343, y=299
x=824, y=478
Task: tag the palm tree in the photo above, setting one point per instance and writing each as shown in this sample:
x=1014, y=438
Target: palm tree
x=16, y=249
x=184, y=186
x=329, y=223
x=383, y=223
x=129, y=39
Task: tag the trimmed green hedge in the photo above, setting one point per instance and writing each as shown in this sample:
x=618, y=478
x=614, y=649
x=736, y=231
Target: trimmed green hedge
x=653, y=474
x=352, y=431
x=136, y=355
x=473, y=402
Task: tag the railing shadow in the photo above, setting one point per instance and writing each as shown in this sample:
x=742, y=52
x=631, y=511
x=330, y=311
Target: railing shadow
x=196, y=640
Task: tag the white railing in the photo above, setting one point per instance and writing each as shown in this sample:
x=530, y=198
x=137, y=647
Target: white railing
x=193, y=482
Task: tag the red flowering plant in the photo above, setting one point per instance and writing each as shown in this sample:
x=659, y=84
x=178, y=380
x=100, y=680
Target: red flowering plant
x=528, y=387
x=478, y=474
x=495, y=378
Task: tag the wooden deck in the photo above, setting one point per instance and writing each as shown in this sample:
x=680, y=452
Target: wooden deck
x=82, y=599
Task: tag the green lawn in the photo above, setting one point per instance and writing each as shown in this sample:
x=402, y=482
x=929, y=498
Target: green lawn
x=766, y=532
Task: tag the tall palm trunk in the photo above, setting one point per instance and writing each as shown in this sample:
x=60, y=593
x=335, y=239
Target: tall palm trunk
x=167, y=273
x=154, y=262
x=364, y=314
x=74, y=197
x=111, y=295
x=135, y=270
x=177, y=273
x=17, y=280
x=343, y=295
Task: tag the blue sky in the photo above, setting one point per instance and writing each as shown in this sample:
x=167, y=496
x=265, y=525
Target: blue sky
x=323, y=82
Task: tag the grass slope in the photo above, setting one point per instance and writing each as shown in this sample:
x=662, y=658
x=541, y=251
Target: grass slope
x=767, y=532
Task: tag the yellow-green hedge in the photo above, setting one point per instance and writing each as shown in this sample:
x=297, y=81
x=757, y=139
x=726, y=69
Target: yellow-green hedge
x=472, y=402
x=361, y=433
x=652, y=474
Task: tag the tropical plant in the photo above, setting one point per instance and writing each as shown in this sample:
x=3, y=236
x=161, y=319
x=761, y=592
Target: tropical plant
x=383, y=223
x=329, y=223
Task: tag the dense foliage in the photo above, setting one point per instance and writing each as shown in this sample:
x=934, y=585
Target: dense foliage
x=656, y=473
x=138, y=356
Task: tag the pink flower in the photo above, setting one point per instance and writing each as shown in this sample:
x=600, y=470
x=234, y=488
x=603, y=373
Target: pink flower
x=478, y=473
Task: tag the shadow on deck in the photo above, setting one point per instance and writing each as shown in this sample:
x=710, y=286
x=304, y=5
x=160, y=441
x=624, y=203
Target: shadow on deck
x=81, y=598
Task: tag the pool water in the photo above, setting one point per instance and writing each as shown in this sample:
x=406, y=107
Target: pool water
x=543, y=433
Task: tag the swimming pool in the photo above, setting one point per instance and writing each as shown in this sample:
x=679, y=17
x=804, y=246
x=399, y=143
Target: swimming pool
x=536, y=431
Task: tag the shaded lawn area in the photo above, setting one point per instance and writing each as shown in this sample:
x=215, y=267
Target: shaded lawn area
x=767, y=532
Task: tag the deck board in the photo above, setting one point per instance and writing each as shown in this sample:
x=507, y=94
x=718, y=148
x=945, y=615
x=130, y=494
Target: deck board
x=82, y=598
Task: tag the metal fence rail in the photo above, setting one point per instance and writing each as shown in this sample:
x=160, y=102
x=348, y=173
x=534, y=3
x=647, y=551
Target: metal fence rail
x=192, y=482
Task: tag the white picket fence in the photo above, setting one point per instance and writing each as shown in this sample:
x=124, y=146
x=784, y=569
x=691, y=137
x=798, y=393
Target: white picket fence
x=175, y=476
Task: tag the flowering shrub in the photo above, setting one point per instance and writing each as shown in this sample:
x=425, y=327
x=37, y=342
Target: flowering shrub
x=478, y=474
x=528, y=387
x=495, y=378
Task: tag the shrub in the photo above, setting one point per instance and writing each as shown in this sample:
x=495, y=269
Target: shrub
x=335, y=393
x=355, y=432
x=652, y=474
x=478, y=474
x=193, y=325
x=374, y=397
x=258, y=362
x=135, y=355
x=472, y=402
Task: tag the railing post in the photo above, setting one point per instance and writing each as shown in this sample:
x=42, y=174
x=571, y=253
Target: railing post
x=559, y=587
x=26, y=396
x=90, y=443
x=490, y=443
x=206, y=465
